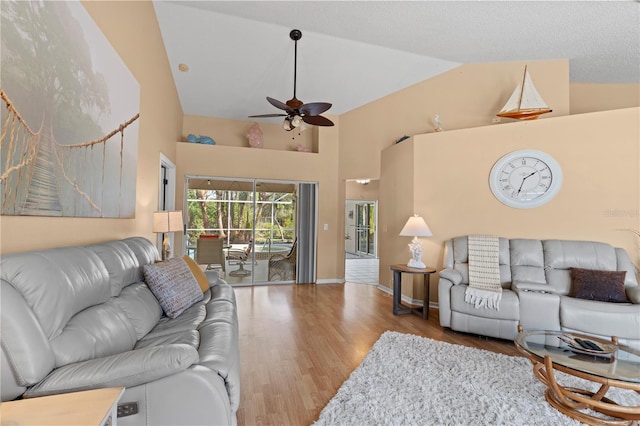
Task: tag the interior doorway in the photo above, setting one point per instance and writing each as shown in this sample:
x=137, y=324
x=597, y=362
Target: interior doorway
x=264, y=238
x=361, y=228
x=361, y=248
x=166, y=194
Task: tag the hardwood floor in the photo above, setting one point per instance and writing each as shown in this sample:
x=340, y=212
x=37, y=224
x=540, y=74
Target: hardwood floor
x=299, y=343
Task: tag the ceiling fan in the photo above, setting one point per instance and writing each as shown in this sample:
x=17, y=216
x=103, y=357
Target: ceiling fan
x=298, y=112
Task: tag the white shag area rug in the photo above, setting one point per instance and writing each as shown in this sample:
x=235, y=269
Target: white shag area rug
x=412, y=380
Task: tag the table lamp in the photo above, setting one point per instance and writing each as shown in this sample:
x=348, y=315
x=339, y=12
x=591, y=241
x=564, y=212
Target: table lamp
x=164, y=222
x=416, y=227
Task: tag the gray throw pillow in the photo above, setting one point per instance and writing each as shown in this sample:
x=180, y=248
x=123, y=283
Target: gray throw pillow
x=173, y=284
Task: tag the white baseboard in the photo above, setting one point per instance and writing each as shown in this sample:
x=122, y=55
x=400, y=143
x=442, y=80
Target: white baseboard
x=406, y=298
x=330, y=281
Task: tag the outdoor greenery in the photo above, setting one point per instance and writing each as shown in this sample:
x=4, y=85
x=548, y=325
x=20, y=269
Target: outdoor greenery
x=229, y=214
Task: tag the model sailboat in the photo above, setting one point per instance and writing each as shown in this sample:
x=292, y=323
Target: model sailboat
x=525, y=102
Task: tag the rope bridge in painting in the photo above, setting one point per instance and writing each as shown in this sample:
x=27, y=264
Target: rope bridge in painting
x=35, y=167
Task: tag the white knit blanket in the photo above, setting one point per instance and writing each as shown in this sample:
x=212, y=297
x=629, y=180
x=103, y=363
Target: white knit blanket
x=485, y=290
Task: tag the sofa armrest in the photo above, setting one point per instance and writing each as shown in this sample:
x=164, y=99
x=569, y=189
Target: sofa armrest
x=213, y=276
x=519, y=286
x=124, y=369
x=452, y=275
x=633, y=294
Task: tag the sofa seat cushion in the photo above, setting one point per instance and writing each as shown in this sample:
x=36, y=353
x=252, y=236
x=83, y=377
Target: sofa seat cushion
x=509, y=305
x=191, y=338
x=126, y=369
x=601, y=318
x=189, y=320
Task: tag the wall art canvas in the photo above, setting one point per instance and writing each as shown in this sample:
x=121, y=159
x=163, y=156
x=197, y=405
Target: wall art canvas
x=69, y=116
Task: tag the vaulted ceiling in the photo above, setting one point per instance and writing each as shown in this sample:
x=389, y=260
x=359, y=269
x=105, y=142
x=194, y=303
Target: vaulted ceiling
x=353, y=52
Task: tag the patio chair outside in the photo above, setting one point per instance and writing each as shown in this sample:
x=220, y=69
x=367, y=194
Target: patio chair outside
x=209, y=251
x=283, y=268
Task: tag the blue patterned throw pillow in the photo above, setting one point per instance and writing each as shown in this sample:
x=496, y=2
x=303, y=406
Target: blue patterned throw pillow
x=173, y=284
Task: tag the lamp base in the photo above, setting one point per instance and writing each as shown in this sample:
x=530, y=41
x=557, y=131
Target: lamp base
x=413, y=263
x=166, y=248
x=416, y=254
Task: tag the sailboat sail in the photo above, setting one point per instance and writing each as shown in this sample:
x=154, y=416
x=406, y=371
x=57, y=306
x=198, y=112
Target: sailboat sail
x=525, y=102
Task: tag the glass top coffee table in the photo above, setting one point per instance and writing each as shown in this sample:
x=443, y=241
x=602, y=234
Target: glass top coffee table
x=608, y=363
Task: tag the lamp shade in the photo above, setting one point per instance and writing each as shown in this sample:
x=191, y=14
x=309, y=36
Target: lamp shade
x=167, y=221
x=415, y=227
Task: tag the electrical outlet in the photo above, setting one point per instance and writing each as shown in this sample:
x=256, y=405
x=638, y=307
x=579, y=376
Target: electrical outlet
x=127, y=409
x=326, y=226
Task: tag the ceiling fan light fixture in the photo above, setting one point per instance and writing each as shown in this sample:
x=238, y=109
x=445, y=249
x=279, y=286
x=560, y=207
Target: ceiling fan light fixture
x=287, y=125
x=296, y=121
x=303, y=126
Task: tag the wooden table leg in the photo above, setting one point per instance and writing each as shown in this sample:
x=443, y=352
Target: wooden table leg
x=425, y=303
x=398, y=309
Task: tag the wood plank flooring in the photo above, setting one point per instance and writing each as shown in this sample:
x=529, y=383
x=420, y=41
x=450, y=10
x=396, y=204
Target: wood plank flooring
x=299, y=343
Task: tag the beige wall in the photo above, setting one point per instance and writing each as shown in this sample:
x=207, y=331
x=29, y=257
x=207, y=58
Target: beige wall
x=321, y=167
x=133, y=31
x=357, y=191
x=602, y=97
x=464, y=97
x=600, y=195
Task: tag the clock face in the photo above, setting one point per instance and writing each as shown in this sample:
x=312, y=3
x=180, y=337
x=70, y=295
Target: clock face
x=525, y=179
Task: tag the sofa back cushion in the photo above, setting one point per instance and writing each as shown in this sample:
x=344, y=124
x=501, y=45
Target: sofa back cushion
x=95, y=332
x=26, y=352
x=527, y=261
x=121, y=264
x=141, y=308
x=144, y=250
x=57, y=283
x=562, y=255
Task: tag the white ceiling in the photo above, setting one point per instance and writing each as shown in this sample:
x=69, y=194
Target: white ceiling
x=353, y=52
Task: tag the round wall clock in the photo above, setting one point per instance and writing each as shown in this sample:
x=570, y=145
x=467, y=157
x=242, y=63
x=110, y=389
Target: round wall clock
x=526, y=178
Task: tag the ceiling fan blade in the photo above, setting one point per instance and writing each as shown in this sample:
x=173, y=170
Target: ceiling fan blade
x=267, y=115
x=317, y=120
x=315, y=108
x=280, y=105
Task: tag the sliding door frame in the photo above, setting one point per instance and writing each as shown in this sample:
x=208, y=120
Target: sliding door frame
x=309, y=253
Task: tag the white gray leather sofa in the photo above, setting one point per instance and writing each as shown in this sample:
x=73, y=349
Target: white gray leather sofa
x=536, y=283
x=77, y=318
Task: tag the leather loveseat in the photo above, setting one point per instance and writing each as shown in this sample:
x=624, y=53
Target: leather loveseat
x=77, y=318
x=536, y=278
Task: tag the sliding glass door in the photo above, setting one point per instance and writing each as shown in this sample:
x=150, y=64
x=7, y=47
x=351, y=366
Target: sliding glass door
x=366, y=228
x=256, y=219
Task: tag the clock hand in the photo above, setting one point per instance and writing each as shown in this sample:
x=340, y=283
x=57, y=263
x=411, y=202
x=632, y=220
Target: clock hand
x=523, y=179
